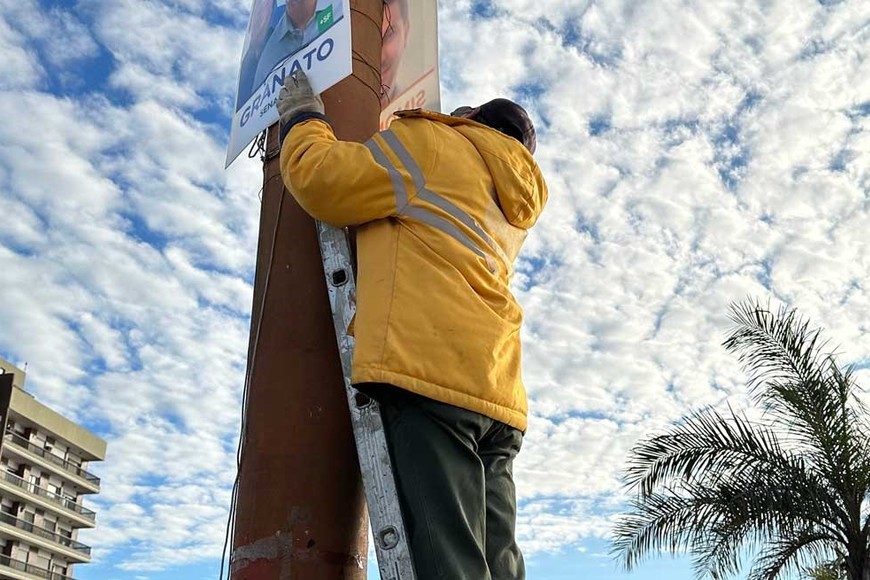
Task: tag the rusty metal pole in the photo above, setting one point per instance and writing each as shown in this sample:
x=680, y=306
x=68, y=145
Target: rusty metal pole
x=300, y=510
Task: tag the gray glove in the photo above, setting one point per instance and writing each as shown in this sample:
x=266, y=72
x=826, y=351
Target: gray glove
x=297, y=97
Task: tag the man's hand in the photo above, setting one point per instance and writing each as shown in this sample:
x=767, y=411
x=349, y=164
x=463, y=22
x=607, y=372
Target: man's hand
x=297, y=97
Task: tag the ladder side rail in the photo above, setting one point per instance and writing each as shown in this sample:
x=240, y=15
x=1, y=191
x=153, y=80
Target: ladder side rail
x=391, y=539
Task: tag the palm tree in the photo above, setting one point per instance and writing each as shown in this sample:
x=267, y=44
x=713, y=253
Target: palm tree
x=790, y=491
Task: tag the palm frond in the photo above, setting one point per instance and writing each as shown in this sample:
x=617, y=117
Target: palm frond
x=750, y=515
x=792, y=377
x=720, y=554
x=766, y=504
x=703, y=442
x=734, y=535
x=775, y=347
x=716, y=521
x=787, y=554
x=663, y=522
x=784, y=360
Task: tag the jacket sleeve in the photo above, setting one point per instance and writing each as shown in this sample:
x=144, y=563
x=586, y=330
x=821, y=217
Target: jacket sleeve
x=337, y=182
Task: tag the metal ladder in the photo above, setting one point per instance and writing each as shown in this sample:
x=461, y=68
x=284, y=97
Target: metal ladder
x=385, y=514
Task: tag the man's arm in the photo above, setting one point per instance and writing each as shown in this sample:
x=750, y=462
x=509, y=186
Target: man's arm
x=338, y=182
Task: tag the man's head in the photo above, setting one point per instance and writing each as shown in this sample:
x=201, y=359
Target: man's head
x=300, y=11
x=504, y=116
x=261, y=15
x=394, y=30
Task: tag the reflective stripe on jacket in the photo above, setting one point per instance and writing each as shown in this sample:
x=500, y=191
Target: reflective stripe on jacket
x=443, y=204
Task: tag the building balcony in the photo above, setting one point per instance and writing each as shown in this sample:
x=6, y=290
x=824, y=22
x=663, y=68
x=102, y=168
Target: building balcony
x=23, y=571
x=58, y=465
x=46, y=539
x=36, y=495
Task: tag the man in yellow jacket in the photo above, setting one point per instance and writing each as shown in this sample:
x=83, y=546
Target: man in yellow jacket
x=442, y=204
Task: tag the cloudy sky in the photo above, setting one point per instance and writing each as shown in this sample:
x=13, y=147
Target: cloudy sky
x=697, y=153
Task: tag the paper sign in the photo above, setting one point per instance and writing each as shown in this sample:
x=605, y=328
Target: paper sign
x=409, y=58
x=282, y=38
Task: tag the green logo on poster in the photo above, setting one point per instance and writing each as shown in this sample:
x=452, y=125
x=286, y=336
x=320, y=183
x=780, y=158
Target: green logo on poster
x=324, y=18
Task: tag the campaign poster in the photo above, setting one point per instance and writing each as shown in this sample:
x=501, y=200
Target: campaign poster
x=409, y=58
x=285, y=36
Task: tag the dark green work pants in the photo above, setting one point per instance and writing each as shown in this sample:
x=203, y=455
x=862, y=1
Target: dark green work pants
x=454, y=472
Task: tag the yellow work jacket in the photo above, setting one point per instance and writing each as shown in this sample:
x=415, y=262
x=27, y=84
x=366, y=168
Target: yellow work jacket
x=443, y=205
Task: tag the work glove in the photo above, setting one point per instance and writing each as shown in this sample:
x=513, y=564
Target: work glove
x=297, y=97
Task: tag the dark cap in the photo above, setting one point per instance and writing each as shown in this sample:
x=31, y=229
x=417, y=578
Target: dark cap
x=508, y=117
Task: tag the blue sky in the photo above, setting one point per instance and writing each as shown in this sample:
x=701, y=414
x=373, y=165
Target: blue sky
x=696, y=152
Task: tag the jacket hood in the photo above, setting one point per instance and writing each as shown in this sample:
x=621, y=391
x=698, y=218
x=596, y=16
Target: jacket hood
x=520, y=187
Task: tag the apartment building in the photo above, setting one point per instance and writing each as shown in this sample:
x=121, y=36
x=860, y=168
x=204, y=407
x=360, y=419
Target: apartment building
x=44, y=478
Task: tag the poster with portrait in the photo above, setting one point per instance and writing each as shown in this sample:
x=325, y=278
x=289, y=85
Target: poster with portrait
x=285, y=36
x=409, y=58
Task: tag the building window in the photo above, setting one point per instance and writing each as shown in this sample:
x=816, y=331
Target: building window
x=39, y=559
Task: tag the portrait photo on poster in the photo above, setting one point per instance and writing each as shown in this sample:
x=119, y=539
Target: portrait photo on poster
x=282, y=38
x=275, y=31
x=409, y=57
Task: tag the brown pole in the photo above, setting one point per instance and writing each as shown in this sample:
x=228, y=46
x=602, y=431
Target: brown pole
x=300, y=508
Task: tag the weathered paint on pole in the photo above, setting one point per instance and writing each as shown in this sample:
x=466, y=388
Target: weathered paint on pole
x=300, y=511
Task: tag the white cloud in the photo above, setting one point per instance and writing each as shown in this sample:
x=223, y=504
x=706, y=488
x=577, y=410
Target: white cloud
x=171, y=55
x=19, y=68
x=32, y=35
